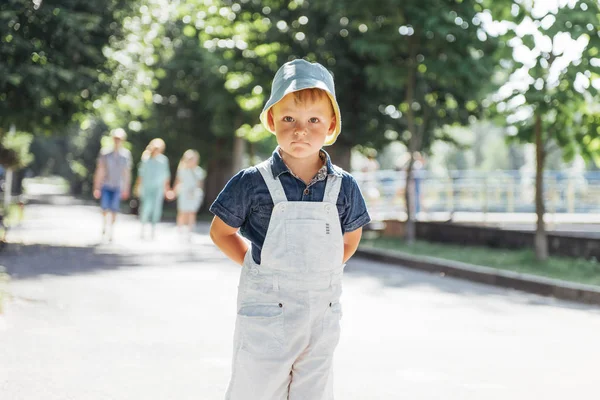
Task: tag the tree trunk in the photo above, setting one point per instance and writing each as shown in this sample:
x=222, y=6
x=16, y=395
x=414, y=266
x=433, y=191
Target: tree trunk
x=340, y=155
x=8, y=184
x=413, y=143
x=218, y=172
x=17, y=184
x=541, y=238
x=410, y=231
x=239, y=150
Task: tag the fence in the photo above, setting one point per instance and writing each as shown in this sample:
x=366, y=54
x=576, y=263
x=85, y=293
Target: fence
x=475, y=191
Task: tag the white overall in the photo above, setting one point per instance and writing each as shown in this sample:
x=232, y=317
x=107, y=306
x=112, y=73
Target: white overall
x=288, y=321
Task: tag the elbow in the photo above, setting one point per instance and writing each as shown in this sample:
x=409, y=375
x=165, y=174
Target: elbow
x=213, y=235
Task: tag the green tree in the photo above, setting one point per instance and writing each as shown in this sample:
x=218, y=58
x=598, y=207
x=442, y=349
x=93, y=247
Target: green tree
x=428, y=69
x=554, y=96
x=193, y=109
x=401, y=72
x=50, y=59
x=14, y=150
x=166, y=83
x=269, y=33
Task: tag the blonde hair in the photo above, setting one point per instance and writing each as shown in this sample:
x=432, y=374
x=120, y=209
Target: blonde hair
x=155, y=144
x=310, y=95
x=188, y=155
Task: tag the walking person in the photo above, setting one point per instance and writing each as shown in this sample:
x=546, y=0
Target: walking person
x=112, y=180
x=303, y=217
x=188, y=188
x=153, y=185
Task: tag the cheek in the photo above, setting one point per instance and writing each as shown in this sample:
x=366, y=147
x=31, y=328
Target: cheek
x=320, y=128
x=283, y=128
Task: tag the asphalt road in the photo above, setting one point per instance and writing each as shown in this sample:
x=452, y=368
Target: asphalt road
x=139, y=319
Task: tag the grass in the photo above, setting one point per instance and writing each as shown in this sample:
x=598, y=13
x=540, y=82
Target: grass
x=13, y=215
x=568, y=269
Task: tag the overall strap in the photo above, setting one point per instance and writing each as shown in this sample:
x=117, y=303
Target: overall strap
x=332, y=188
x=274, y=185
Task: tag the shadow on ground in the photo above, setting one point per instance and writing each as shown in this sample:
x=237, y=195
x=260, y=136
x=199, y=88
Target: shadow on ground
x=34, y=260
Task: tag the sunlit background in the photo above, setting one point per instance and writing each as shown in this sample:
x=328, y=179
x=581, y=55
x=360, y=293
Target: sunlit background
x=471, y=126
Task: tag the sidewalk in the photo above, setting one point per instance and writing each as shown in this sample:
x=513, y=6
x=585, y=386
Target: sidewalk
x=140, y=319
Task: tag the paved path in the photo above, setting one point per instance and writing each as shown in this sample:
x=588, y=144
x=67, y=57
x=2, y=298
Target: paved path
x=153, y=320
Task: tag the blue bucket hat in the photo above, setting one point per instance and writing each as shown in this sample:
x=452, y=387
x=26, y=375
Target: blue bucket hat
x=298, y=75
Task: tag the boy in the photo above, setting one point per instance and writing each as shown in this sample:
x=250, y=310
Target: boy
x=304, y=219
x=112, y=180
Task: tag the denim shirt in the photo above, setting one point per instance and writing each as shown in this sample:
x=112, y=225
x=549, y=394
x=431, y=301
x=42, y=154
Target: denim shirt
x=246, y=203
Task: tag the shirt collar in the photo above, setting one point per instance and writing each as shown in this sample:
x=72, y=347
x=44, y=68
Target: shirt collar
x=278, y=167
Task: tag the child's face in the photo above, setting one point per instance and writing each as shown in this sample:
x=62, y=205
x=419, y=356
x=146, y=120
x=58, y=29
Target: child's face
x=302, y=127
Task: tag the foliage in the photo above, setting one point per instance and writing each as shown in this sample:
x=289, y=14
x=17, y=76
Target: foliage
x=50, y=59
x=14, y=150
x=554, y=95
x=431, y=69
x=555, y=79
x=482, y=146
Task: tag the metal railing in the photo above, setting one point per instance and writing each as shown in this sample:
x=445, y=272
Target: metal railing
x=484, y=192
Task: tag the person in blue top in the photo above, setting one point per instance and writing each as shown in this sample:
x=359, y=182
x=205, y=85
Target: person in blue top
x=153, y=184
x=303, y=218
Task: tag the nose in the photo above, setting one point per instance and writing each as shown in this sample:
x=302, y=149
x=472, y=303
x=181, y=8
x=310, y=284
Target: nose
x=300, y=128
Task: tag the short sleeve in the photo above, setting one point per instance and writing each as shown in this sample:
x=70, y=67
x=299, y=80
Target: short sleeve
x=356, y=214
x=233, y=204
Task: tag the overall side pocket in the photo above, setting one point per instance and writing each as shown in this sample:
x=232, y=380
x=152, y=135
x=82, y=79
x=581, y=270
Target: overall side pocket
x=331, y=328
x=261, y=327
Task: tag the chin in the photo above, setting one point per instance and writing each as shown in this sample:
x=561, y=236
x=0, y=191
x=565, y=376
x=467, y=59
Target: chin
x=299, y=151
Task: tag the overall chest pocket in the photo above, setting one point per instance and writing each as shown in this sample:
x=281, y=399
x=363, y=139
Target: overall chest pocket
x=307, y=242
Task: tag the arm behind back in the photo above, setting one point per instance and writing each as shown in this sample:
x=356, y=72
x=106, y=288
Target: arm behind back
x=227, y=239
x=351, y=241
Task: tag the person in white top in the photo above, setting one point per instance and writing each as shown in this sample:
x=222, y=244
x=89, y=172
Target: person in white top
x=188, y=187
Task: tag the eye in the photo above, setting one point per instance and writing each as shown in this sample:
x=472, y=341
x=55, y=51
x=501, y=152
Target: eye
x=314, y=120
x=287, y=118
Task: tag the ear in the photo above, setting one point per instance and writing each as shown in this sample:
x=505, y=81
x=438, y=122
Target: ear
x=271, y=119
x=332, y=125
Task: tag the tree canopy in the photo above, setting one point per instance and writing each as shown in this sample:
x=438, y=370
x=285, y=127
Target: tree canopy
x=51, y=55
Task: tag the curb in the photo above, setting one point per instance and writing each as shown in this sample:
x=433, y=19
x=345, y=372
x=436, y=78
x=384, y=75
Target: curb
x=490, y=276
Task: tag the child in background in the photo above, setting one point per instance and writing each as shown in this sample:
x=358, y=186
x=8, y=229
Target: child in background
x=188, y=187
x=303, y=217
x=153, y=184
